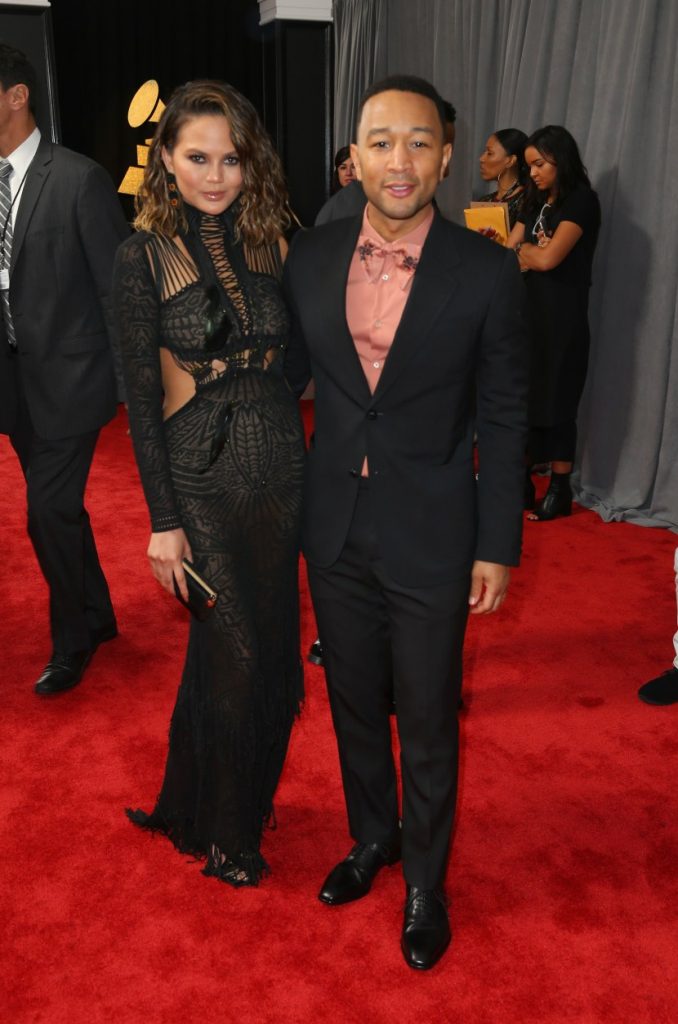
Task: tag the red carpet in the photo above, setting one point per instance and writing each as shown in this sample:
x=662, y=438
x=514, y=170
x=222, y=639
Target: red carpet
x=564, y=874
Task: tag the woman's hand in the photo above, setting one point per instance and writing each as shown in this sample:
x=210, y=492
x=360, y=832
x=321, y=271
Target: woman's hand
x=165, y=552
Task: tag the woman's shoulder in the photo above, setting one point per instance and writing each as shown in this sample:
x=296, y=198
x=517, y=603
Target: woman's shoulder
x=583, y=197
x=148, y=249
x=135, y=246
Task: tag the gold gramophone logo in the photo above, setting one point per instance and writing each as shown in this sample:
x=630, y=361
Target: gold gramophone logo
x=146, y=106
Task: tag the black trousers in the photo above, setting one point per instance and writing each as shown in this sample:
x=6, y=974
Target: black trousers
x=58, y=524
x=378, y=636
x=557, y=443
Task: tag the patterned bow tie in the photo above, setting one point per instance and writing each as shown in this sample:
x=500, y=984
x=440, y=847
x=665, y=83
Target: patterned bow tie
x=375, y=255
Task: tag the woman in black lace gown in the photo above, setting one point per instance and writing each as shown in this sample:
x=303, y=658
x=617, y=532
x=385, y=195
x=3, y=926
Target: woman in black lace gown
x=218, y=441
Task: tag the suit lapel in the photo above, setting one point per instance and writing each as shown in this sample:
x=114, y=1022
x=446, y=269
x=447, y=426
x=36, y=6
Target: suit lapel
x=435, y=282
x=345, y=360
x=38, y=173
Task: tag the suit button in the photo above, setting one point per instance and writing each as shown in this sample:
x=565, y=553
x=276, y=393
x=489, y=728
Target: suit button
x=372, y=414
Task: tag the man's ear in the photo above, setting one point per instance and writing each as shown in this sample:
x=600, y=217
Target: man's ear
x=356, y=160
x=447, y=158
x=18, y=96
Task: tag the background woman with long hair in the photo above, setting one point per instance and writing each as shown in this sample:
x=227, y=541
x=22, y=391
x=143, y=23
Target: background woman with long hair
x=555, y=238
x=218, y=440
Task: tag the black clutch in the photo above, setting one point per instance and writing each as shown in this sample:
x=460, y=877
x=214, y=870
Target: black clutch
x=201, y=596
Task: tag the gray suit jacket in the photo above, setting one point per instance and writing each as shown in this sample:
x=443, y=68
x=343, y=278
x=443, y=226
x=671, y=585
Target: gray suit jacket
x=68, y=227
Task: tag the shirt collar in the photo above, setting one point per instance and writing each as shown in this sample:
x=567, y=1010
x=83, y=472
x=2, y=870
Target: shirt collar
x=416, y=237
x=22, y=158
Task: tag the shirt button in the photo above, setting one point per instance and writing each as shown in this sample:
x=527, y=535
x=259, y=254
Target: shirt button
x=376, y=365
x=384, y=277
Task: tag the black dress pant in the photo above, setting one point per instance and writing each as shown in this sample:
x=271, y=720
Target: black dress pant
x=58, y=524
x=380, y=637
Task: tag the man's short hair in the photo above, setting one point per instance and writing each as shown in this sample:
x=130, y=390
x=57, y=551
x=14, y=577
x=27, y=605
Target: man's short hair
x=16, y=69
x=407, y=83
x=450, y=112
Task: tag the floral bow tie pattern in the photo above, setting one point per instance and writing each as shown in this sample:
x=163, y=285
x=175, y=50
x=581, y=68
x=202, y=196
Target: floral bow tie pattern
x=374, y=256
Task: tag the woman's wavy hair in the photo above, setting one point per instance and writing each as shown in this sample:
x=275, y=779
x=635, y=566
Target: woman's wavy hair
x=558, y=147
x=512, y=141
x=263, y=208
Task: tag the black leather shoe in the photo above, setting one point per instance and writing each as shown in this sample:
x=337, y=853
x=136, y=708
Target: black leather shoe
x=426, y=928
x=661, y=691
x=63, y=672
x=352, y=878
x=315, y=653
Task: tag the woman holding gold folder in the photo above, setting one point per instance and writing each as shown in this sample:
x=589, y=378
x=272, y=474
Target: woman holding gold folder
x=503, y=161
x=202, y=327
x=555, y=238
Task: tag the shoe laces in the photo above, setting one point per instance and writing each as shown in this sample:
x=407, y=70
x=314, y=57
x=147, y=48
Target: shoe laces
x=422, y=900
x=363, y=854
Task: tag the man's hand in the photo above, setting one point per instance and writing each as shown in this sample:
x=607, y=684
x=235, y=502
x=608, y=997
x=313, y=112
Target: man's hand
x=489, y=583
x=165, y=552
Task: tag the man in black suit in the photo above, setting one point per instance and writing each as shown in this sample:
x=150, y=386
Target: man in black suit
x=349, y=202
x=60, y=224
x=412, y=329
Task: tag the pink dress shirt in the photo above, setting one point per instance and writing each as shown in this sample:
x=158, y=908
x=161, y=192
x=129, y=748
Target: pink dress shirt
x=379, y=282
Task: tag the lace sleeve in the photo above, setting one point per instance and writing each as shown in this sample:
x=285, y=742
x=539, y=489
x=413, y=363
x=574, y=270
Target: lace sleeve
x=136, y=309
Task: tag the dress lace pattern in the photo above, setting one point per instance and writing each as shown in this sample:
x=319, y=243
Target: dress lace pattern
x=227, y=468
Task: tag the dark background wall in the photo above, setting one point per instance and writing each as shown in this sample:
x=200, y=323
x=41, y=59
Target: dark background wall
x=105, y=50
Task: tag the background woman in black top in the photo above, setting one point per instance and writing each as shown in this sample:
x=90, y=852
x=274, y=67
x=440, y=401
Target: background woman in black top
x=555, y=238
x=218, y=440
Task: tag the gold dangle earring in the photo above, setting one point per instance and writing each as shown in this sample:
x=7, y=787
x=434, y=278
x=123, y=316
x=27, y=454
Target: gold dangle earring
x=172, y=189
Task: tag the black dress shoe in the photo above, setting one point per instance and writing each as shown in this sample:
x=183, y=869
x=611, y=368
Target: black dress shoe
x=352, y=878
x=63, y=672
x=661, y=691
x=426, y=928
x=315, y=653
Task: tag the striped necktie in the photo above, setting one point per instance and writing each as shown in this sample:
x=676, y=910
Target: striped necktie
x=6, y=245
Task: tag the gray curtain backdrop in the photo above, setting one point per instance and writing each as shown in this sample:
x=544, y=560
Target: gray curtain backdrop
x=607, y=70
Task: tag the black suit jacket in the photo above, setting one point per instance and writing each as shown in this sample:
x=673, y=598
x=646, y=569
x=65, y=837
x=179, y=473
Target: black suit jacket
x=458, y=364
x=68, y=227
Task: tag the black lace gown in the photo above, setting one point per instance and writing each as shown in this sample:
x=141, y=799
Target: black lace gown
x=227, y=468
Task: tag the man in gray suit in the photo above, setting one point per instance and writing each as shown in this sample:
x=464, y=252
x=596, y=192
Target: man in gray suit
x=60, y=225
